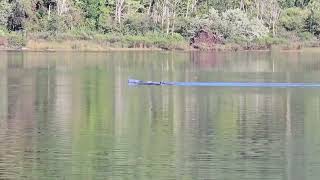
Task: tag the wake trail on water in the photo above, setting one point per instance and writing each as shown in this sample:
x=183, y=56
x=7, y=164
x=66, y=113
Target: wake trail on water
x=135, y=82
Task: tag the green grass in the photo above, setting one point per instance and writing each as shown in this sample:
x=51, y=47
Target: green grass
x=90, y=40
x=149, y=40
x=16, y=40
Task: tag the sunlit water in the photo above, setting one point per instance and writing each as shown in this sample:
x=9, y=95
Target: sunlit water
x=73, y=116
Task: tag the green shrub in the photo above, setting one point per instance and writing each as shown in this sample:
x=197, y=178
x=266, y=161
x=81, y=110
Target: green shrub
x=5, y=12
x=16, y=40
x=314, y=17
x=268, y=41
x=237, y=25
x=138, y=24
x=188, y=27
x=113, y=38
x=3, y=31
x=306, y=36
x=294, y=19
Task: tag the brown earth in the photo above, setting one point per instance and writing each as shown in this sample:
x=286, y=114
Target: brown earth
x=206, y=40
x=3, y=42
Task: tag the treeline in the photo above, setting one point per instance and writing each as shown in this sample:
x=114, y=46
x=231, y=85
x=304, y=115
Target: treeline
x=234, y=20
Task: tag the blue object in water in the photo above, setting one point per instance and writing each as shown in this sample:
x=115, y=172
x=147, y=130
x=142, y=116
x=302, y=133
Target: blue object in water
x=225, y=84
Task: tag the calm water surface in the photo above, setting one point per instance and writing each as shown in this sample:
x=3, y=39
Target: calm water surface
x=73, y=116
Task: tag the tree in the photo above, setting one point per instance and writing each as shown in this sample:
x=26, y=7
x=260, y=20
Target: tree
x=294, y=19
x=5, y=12
x=92, y=10
x=293, y=3
x=272, y=15
x=119, y=9
x=62, y=7
x=268, y=12
x=314, y=17
x=238, y=25
x=191, y=7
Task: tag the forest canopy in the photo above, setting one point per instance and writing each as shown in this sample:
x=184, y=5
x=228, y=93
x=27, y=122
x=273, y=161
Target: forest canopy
x=232, y=19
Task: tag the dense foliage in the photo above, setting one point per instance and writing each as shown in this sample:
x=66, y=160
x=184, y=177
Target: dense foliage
x=247, y=20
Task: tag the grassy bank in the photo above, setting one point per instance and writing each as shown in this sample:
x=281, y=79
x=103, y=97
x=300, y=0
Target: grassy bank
x=81, y=41
x=94, y=42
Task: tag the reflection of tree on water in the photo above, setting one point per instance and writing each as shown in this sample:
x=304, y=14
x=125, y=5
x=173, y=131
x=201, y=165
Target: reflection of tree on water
x=80, y=119
x=93, y=123
x=311, y=139
x=24, y=103
x=3, y=91
x=205, y=60
x=218, y=132
x=19, y=119
x=260, y=132
x=253, y=62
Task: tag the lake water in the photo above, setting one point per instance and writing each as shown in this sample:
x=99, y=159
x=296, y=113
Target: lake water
x=73, y=116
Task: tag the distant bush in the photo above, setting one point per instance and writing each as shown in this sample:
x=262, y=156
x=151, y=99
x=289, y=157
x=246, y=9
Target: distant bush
x=294, y=19
x=16, y=40
x=314, y=17
x=306, y=36
x=233, y=24
x=138, y=24
x=268, y=41
x=3, y=31
x=5, y=12
x=158, y=40
x=237, y=25
x=188, y=27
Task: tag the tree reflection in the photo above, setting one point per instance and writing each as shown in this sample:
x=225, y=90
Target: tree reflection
x=73, y=116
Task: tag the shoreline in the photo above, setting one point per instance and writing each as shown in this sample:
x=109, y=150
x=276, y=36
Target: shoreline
x=152, y=50
x=70, y=50
x=93, y=46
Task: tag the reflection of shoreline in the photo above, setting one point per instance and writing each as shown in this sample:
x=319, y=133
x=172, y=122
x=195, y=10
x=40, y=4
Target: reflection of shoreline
x=233, y=62
x=92, y=46
x=76, y=111
x=84, y=51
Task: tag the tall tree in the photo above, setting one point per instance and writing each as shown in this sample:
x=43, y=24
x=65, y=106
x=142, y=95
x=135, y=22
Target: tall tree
x=268, y=11
x=5, y=12
x=119, y=9
x=92, y=10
